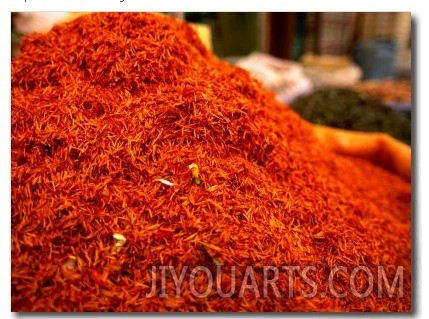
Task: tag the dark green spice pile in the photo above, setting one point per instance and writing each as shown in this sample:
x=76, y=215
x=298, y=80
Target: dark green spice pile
x=351, y=110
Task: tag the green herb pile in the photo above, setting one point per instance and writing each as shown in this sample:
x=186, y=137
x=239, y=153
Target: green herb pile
x=347, y=109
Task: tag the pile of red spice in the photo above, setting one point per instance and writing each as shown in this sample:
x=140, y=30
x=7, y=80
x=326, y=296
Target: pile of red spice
x=387, y=90
x=108, y=113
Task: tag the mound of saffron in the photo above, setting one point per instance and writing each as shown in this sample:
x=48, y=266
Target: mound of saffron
x=135, y=151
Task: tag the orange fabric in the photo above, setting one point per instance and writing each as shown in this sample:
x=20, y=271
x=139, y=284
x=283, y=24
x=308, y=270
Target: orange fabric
x=379, y=148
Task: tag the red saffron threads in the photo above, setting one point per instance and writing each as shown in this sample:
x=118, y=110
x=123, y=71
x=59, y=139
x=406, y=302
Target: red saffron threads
x=106, y=106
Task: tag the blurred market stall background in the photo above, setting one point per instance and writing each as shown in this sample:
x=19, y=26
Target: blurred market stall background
x=346, y=70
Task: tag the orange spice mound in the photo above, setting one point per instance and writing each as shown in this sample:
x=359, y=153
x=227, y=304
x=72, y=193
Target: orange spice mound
x=110, y=109
x=387, y=90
